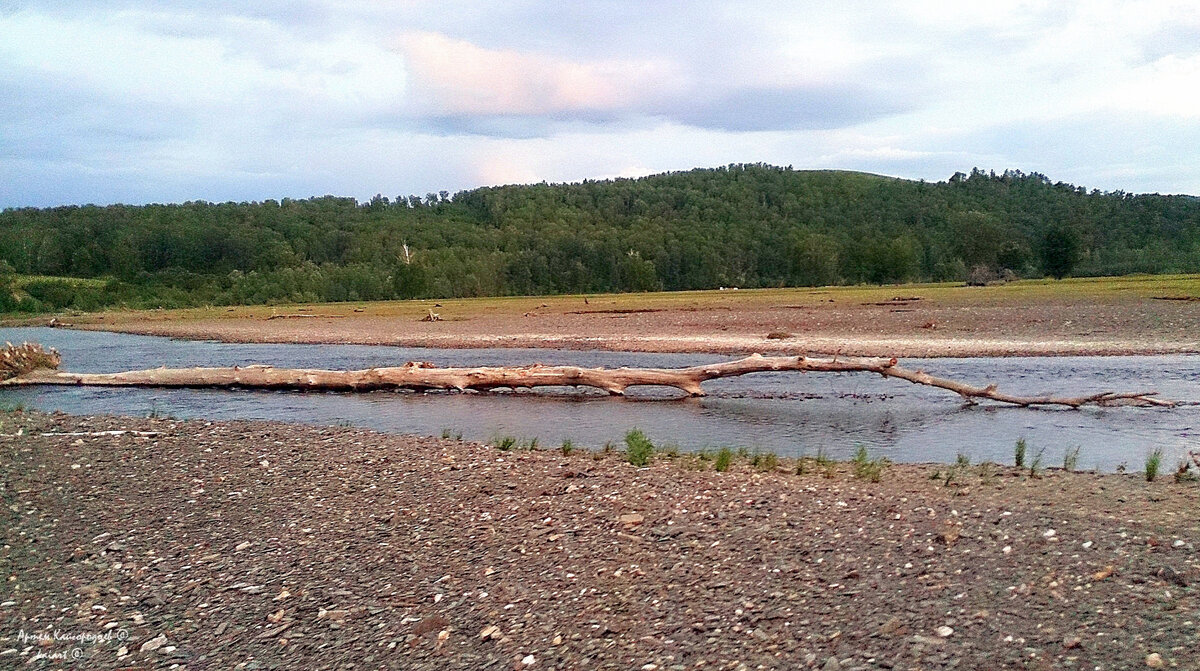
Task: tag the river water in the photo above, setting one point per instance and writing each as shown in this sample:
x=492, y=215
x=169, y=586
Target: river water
x=789, y=414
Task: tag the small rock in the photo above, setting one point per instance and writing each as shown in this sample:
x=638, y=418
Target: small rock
x=1155, y=661
x=1172, y=576
x=154, y=643
x=1049, y=533
x=1104, y=573
x=944, y=631
x=891, y=626
x=832, y=664
x=631, y=519
x=528, y=660
x=242, y=546
x=1087, y=545
x=1072, y=642
x=490, y=631
x=122, y=651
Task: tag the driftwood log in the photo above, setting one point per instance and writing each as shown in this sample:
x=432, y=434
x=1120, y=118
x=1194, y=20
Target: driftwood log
x=36, y=366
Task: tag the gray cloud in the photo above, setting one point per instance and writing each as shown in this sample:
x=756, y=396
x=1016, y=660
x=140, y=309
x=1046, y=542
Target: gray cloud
x=128, y=100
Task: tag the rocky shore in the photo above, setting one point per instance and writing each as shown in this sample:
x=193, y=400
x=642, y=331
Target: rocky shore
x=155, y=543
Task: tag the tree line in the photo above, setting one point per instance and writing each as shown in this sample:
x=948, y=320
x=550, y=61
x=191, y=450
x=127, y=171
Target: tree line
x=750, y=225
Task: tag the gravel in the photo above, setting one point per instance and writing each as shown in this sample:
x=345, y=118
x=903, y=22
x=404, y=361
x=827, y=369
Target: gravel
x=254, y=545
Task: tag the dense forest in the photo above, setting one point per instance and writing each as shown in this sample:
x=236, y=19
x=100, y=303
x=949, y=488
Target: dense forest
x=740, y=225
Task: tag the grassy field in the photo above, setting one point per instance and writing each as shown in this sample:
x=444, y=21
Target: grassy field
x=1073, y=290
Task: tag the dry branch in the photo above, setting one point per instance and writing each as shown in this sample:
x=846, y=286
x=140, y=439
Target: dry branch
x=423, y=376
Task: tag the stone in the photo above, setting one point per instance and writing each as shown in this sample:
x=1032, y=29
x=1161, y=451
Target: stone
x=154, y=643
x=631, y=519
x=1155, y=661
x=944, y=631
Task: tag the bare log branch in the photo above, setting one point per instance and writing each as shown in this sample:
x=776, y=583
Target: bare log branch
x=424, y=376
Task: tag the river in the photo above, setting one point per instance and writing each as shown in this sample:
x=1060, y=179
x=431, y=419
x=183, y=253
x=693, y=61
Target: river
x=789, y=414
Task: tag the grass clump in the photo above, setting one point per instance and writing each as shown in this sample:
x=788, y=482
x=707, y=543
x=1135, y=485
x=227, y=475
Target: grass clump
x=638, y=448
x=1035, y=466
x=504, y=443
x=567, y=447
x=866, y=468
x=765, y=461
x=1071, y=459
x=1153, y=463
x=1019, y=453
x=828, y=466
x=723, y=460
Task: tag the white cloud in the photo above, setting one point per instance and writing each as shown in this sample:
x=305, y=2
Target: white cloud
x=128, y=100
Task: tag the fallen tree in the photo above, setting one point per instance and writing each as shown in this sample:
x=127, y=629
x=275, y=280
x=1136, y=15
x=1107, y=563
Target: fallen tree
x=30, y=364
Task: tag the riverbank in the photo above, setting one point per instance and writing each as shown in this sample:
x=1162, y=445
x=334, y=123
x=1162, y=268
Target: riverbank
x=266, y=545
x=1090, y=316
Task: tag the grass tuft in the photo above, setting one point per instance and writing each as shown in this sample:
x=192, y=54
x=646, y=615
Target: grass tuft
x=1153, y=463
x=1035, y=466
x=1071, y=459
x=866, y=468
x=1019, y=453
x=567, y=447
x=764, y=461
x=638, y=448
x=723, y=460
x=505, y=443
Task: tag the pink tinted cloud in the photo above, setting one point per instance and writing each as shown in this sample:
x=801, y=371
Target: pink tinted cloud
x=455, y=78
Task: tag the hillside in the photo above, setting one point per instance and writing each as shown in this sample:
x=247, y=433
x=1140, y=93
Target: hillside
x=740, y=225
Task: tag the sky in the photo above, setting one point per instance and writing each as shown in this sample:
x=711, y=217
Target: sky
x=107, y=101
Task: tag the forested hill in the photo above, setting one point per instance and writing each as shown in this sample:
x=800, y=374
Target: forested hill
x=741, y=225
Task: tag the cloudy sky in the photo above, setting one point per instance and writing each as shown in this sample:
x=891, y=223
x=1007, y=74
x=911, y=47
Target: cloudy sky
x=108, y=101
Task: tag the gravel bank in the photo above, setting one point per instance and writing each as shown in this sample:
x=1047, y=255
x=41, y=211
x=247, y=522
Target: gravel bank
x=251, y=545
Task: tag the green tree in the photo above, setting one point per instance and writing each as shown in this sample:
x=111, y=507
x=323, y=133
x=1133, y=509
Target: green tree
x=1060, y=251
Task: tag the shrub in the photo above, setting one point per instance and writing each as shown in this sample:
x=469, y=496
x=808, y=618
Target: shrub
x=567, y=447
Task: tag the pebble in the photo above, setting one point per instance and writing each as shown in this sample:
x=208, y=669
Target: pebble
x=1155, y=661
x=154, y=643
x=528, y=661
x=832, y=664
x=944, y=631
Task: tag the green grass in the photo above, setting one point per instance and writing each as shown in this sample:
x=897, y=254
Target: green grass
x=764, y=461
x=724, y=460
x=866, y=468
x=638, y=448
x=1035, y=466
x=567, y=447
x=1071, y=459
x=504, y=443
x=1153, y=463
x=1019, y=453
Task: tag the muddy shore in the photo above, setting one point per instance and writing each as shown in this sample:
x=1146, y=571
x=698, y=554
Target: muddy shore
x=253, y=545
